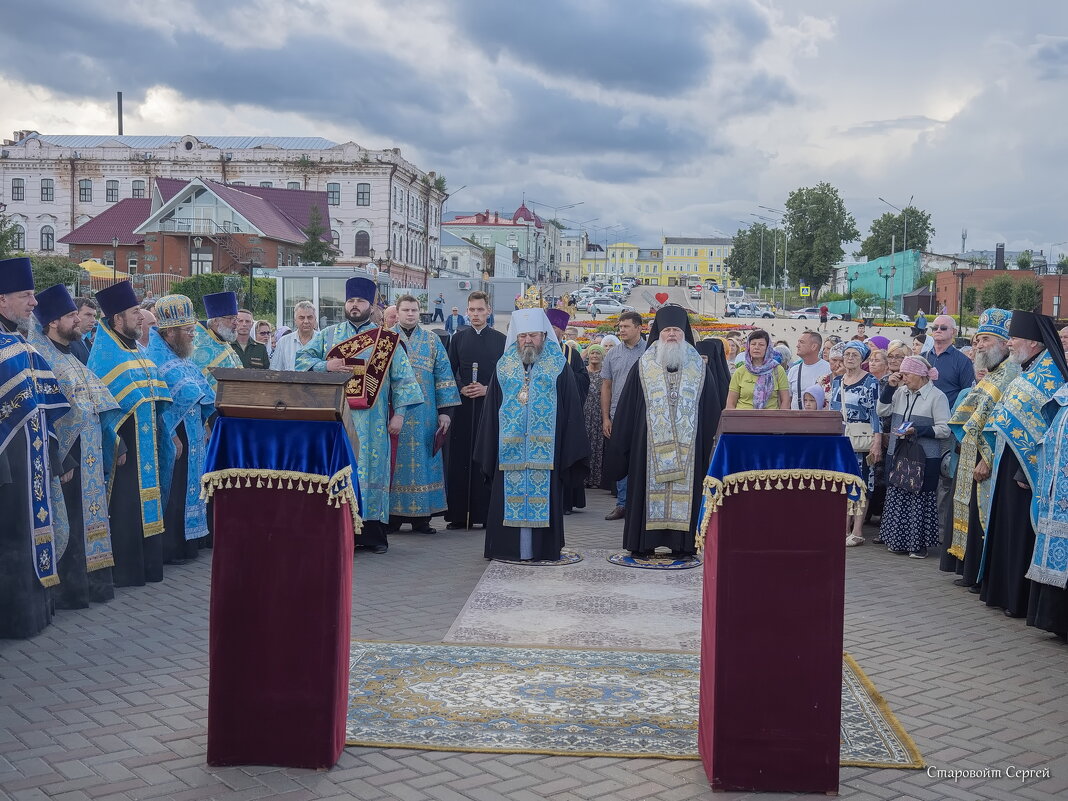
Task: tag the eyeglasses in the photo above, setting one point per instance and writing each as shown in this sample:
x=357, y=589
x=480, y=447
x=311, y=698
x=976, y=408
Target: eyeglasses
x=941, y=328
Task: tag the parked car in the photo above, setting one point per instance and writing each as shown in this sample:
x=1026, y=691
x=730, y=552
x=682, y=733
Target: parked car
x=748, y=310
x=608, y=306
x=812, y=313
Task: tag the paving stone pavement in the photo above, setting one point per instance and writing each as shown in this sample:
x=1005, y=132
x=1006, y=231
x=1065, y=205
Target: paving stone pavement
x=111, y=702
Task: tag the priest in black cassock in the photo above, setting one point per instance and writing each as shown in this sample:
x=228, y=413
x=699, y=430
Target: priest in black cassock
x=670, y=410
x=575, y=497
x=473, y=354
x=531, y=445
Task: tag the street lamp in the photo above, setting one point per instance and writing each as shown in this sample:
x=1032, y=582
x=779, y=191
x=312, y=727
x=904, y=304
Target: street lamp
x=383, y=265
x=114, y=257
x=961, y=275
x=886, y=275
x=851, y=278
x=197, y=242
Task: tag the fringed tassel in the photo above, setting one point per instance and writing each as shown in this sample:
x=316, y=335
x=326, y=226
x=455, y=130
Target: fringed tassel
x=259, y=481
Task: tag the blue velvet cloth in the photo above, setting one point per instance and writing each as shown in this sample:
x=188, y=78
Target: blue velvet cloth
x=317, y=448
x=739, y=453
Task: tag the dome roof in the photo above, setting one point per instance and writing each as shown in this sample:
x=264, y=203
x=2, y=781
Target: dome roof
x=526, y=215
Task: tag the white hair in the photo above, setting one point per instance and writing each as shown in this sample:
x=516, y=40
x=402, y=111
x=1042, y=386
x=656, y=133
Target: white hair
x=305, y=305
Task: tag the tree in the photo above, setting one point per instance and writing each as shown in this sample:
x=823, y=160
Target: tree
x=196, y=287
x=863, y=298
x=1062, y=264
x=1027, y=295
x=441, y=184
x=1023, y=261
x=316, y=249
x=8, y=237
x=998, y=293
x=925, y=279
x=51, y=270
x=743, y=262
x=971, y=299
x=889, y=230
x=817, y=223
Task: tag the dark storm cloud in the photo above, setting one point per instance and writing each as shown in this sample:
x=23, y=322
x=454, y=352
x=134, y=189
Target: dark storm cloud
x=1051, y=59
x=649, y=48
x=342, y=84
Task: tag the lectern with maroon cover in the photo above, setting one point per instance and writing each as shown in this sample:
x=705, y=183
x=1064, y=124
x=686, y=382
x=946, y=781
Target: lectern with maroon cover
x=777, y=493
x=284, y=492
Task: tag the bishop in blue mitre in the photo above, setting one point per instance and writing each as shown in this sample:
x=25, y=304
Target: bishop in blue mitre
x=381, y=379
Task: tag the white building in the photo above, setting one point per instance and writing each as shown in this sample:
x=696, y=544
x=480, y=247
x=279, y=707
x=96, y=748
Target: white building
x=573, y=245
x=460, y=258
x=377, y=199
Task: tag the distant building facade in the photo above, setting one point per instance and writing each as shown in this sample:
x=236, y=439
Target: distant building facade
x=704, y=256
x=524, y=232
x=376, y=199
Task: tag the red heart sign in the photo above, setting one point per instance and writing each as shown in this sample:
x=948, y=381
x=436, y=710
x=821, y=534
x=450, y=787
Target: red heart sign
x=662, y=297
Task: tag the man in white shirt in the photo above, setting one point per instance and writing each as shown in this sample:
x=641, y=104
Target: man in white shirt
x=285, y=352
x=808, y=369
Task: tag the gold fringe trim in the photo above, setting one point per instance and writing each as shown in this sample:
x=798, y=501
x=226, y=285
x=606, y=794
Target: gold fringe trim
x=956, y=550
x=50, y=581
x=917, y=762
x=152, y=529
x=338, y=487
x=715, y=489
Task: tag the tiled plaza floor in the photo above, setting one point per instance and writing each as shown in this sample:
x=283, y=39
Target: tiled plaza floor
x=110, y=702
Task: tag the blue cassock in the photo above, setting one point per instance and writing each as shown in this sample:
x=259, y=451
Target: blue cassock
x=399, y=389
x=418, y=482
x=192, y=403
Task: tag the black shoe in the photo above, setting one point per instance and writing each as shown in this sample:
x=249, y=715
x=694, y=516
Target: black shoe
x=616, y=514
x=454, y=526
x=960, y=583
x=975, y=589
x=567, y=511
x=427, y=529
x=378, y=548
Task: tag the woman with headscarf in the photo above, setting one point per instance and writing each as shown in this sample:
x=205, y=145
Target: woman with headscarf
x=910, y=523
x=732, y=350
x=856, y=394
x=834, y=355
x=922, y=345
x=760, y=381
x=591, y=414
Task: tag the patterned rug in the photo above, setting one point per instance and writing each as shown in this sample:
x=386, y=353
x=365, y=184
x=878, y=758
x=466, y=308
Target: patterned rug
x=660, y=561
x=567, y=702
x=590, y=605
x=567, y=557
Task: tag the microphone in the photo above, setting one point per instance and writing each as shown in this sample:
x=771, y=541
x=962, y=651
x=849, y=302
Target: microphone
x=474, y=372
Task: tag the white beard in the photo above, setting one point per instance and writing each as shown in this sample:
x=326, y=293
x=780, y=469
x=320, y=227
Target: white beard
x=668, y=354
x=225, y=333
x=991, y=358
x=530, y=354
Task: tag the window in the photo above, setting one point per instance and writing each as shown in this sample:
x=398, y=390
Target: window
x=266, y=184
x=18, y=188
x=131, y=264
x=456, y=263
x=333, y=194
x=335, y=238
x=111, y=192
x=48, y=190
x=237, y=183
x=20, y=238
x=48, y=238
x=138, y=189
x=85, y=190
x=293, y=185
x=363, y=194
x=568, y=257
x=363, y=243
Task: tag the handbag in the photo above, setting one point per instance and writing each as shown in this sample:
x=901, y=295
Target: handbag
x=910, y=463
x=860, y=436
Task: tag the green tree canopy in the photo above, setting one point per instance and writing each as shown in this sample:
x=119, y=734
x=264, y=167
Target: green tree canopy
x=998, y=293
x=196, y=287
x=744, y=261
x=818, y=223
x=316, y=250
x=8, y=237
x=971, y=299
x=1027, y=295
x=1023, y=261
x=889, y=229
x=51, y=270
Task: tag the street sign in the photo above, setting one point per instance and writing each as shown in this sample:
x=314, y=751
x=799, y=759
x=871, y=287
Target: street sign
x=806, y=291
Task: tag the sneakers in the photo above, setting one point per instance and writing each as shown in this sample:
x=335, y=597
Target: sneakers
x=853, y=540
x=616, y=514
x=920, y=554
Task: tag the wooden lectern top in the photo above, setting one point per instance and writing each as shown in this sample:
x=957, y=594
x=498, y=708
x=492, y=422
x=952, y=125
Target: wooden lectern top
x=283, y=395
x=779, y=421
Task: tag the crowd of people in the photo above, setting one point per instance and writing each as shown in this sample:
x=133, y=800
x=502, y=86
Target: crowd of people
x=105, y=407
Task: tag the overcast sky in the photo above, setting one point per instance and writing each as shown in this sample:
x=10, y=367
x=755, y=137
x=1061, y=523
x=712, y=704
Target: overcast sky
x=661, y=117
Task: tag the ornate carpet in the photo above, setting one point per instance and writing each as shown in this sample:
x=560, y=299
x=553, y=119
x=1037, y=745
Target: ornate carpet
x=567, y=702
x=594, y=604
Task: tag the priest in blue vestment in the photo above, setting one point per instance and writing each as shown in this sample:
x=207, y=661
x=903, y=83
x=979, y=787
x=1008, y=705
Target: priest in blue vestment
x=382, y=378
x=85, y=566
x=418, y=490
x=30, y=405
x=183, y=444
x=531, y=445
x=1014, y=431
x=131, y=439
x=211, y=343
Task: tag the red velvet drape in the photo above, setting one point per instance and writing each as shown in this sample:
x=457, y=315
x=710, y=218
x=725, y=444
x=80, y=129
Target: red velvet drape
x=771, y=648
x=281, y=590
